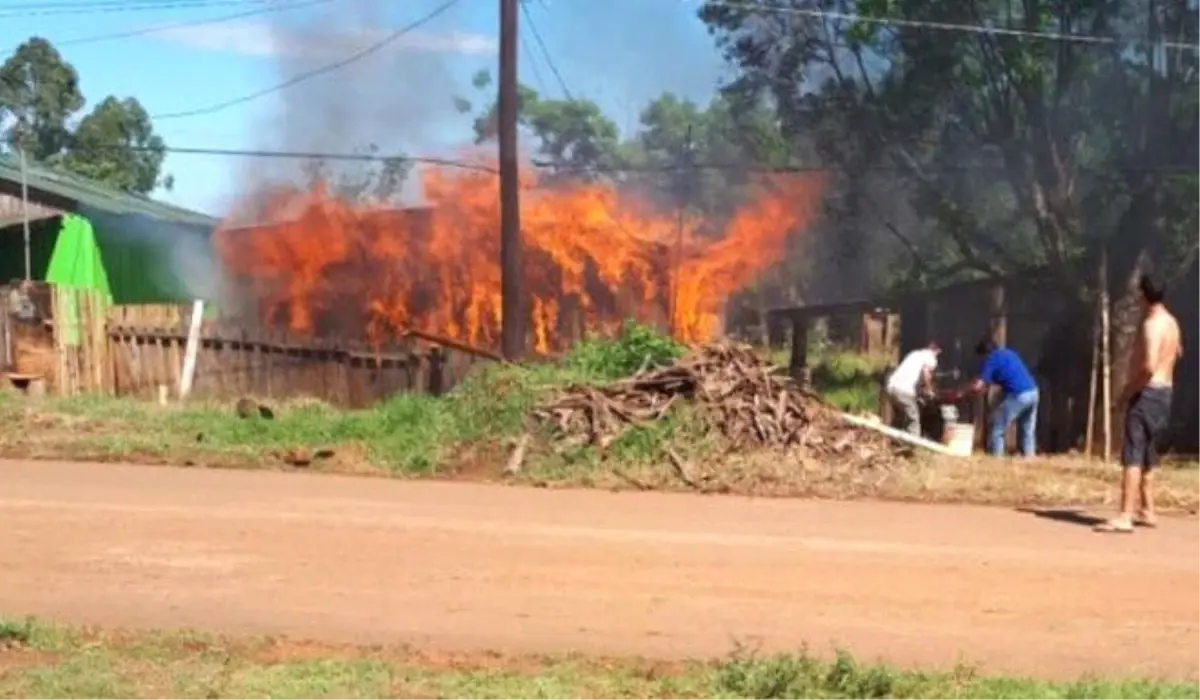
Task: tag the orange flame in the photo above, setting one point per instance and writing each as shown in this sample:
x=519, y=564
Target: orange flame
x=591, y=256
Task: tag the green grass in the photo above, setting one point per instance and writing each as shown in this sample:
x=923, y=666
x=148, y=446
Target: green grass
x=407, y=433
x=61, y=662
x=848, y=380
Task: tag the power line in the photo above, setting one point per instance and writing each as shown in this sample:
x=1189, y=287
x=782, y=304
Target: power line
x=84, y=5
x=308, y=155
x=328, y=68
x=533, y=67
x=126, y=7
x=188, y=25
x=537, y=37
x=599, y=170
x=943, y=26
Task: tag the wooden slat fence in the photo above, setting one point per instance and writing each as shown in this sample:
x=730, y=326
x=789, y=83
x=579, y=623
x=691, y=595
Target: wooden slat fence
x=135, y=350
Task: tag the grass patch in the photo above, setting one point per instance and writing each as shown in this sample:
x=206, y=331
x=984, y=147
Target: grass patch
x=15, y=632
x=71, y=662
x=845, y=378
x=407, y=434
x=637, y=347
x=469, y=433
x=849, y=380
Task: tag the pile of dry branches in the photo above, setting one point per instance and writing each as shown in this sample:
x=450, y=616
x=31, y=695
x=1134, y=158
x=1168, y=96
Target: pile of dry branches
x=740, y=396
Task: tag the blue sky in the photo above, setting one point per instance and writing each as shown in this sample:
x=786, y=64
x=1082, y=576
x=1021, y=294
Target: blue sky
x=618, y=52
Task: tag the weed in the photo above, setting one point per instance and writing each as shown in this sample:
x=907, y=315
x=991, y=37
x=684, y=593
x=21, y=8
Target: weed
x=802, y=676
x=15, y=633
x=637, y=347
x=848, y=380
x=77, y=663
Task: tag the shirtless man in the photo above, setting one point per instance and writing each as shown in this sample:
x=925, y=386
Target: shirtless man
x=1147, y=401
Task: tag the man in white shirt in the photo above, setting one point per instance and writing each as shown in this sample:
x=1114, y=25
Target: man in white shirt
x=914, y=376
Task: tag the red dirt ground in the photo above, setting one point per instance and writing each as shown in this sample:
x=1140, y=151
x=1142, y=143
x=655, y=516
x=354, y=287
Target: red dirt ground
x=463, y=567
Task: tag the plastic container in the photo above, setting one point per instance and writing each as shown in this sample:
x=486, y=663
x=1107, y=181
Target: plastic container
x=962, y=439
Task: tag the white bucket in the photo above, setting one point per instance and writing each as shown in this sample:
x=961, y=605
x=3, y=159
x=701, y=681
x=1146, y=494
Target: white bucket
x=962, y=439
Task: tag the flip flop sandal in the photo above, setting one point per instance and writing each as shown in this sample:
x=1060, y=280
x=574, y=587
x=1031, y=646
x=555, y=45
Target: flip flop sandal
x=1112, y=526
x=1146, y=523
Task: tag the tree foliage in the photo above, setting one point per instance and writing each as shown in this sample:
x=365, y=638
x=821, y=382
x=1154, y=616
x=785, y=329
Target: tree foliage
x=1003, y=152
x=40, y=101
x=39, y=92
x=682, y=155
x=574, y=136
x=116, y=144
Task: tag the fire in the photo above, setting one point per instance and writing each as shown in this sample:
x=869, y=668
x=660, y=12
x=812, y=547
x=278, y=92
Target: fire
x=592, y=257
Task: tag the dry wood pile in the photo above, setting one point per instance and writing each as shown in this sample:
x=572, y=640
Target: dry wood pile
x=741, y=397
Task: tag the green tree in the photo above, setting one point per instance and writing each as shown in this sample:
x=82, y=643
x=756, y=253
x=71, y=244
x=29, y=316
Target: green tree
x=1013, y=150
x=706, y=155
x=39, y=92
x=114, y=144
x=574, y=136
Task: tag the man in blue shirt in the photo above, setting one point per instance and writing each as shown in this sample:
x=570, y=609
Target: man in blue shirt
x=1004, y=368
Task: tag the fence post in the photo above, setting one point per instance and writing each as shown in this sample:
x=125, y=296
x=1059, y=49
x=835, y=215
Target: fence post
x=798, y=365
x=437, y=365
x=193, y=346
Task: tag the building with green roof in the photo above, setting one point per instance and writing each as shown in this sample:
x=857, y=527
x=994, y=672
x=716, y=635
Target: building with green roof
x=147, y=252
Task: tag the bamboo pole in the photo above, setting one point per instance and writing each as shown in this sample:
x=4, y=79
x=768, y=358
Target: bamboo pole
x=1105, y=357
x=1090, y=435
x=60, y=365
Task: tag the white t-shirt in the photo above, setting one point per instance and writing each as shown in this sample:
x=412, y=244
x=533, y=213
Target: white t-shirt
x=905, y=378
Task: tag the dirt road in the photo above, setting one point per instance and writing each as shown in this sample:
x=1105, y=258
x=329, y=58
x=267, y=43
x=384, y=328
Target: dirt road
x=471, y=566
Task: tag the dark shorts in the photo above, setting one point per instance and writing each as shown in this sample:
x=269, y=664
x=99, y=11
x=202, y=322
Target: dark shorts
x=1145, y=421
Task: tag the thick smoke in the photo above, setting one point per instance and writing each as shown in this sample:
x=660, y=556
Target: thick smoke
x=399, y=99
x=174, y=257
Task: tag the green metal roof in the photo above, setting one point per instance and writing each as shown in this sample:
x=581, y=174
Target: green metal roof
x=92, y=194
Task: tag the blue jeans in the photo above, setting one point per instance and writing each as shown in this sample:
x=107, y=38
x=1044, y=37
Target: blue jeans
x=1023, y=409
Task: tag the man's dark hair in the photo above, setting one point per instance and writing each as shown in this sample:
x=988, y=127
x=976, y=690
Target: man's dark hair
x=934, y=345
x=1153, y=291
x=985, y=345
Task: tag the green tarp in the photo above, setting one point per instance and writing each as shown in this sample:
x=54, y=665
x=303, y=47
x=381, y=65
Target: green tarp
x=76, y=264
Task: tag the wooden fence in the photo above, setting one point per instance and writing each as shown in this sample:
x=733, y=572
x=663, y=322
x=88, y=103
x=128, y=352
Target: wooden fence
x=84, y=348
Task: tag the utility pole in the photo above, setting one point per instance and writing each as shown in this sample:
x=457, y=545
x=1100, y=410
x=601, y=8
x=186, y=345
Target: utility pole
x=19, y=133
x=682, y=190
x=512, y=308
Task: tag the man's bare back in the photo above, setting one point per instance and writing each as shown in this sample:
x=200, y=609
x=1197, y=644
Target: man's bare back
x=1157, y=349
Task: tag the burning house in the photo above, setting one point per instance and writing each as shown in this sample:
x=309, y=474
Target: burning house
x=593, y=257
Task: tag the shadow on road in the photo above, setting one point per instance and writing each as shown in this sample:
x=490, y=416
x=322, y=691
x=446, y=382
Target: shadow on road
x=1064, y=515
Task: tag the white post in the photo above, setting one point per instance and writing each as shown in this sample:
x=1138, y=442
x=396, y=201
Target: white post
x=188, y=372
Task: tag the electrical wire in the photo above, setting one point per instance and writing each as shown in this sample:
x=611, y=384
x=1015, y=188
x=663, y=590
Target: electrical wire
x=308, y=75
x=537, y=37
x=942, y=26
x=531, y=59
x=84, y=5
x=312, y=155
x=601, y=170
x=188, y=25
x=125, y=7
